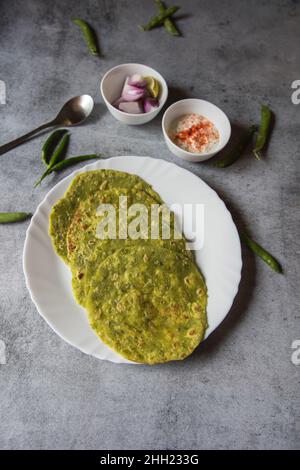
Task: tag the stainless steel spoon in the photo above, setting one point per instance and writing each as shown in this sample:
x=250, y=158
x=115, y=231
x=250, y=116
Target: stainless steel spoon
x=73, y=112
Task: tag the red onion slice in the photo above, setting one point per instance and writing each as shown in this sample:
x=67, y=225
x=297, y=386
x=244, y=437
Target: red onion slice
x=131, y=93
x=150, y=104
x=137, y=80
x=117, y=102
x=133, y=107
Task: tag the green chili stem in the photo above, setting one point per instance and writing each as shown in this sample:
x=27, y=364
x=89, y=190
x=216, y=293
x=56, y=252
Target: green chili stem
x=169, y=24
x=11, y=217
x=263, y=131
x=237, y=151
x=157, y=20
x=89, y=35
x=262, y=253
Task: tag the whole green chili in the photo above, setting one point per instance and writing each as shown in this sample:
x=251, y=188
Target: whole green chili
x=263, y=131
x=237, y=151
x=65, y=164
x=160, y=18
x=169, y=24
x=50, y=144
x=262, y=253
x=60, y=151
x=11, y=217
x=73, y=160
x=89, y=35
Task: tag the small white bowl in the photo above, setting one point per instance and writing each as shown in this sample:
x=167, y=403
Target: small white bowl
x=111, y=88
x=206, y=109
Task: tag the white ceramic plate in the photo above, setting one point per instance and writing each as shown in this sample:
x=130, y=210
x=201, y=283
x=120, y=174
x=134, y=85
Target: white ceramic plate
x=48, y=279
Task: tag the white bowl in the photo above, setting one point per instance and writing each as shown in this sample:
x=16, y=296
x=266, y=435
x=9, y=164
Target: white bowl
x=206, y=109
x=111, y=88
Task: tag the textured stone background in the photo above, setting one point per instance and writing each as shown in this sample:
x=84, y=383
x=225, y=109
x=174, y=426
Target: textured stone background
x=240, y=389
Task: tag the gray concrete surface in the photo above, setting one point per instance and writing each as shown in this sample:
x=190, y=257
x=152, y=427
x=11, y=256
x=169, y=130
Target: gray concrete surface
x=240, y=389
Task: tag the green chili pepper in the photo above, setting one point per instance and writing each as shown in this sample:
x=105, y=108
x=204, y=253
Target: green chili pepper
x=46, y=173
x=263, y=132
x=89, y=35
x=10, y=217
x=73, y=160
x=262, y=253
x=65, y=164
x=237, y=151
x=50, y=144
x=169, y=24
x=157, y=20
x=60, y=150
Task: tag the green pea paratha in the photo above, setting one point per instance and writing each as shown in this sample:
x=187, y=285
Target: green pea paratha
x=82, y=186
x=86, y=251
x=148, y=304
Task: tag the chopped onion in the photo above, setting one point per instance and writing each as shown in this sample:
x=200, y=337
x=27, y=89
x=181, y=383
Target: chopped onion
x=137, y=80
x=117, y=102
x=150, y=104
x=135, y=98
x=133, y=107
x=131, y=93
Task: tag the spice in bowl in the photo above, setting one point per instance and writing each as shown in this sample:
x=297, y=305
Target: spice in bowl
x=195, y=133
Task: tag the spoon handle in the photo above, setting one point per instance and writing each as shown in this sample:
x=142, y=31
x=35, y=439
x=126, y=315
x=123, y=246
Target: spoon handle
x=14, y=143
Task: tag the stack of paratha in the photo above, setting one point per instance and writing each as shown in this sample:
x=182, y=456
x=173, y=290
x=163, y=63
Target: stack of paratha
x=145, y=297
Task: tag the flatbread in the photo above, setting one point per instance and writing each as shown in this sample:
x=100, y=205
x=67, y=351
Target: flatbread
x=145, y=297
x=148, y=304
x=86, y=251
x=82, y=186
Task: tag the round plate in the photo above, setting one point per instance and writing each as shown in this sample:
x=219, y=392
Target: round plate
x=48, y=279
